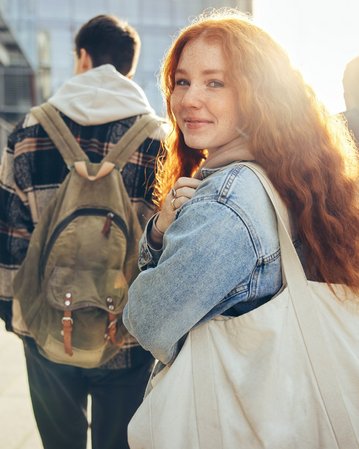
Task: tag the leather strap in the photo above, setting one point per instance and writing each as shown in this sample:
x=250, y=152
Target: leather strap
x=112, y=328
x=67, y=323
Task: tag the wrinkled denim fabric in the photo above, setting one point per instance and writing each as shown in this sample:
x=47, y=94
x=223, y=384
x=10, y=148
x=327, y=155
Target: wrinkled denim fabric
x=220, y=256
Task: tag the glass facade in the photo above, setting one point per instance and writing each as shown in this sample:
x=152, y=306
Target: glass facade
x=46, y=28
x=17, y=82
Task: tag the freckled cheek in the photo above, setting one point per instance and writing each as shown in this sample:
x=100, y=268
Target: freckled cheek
x=175, y=104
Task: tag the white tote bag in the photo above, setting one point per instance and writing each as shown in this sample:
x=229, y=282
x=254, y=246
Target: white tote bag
x=283, y=376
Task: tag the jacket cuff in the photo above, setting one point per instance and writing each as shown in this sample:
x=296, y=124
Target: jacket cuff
x=148, y=256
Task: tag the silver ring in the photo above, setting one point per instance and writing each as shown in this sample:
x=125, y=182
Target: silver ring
x=173, y=203
x=173, y=192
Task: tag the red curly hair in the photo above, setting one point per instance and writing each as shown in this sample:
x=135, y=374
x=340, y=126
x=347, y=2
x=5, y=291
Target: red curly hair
x=308, y=155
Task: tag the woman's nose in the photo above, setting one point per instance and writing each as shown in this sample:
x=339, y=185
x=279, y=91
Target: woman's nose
x=192, y=97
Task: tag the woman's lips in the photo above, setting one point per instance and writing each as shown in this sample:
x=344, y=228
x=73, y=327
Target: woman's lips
x=196, y=123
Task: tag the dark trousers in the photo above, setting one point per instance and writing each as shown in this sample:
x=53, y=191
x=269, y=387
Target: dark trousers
x=59, y=399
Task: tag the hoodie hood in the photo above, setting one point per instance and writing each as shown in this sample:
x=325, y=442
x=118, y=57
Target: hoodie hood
x=100, y=95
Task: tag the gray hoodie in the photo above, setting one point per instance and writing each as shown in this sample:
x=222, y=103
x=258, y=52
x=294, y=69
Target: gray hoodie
x=100, y=95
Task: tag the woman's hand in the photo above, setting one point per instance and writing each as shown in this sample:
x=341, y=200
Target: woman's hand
x=182, y=191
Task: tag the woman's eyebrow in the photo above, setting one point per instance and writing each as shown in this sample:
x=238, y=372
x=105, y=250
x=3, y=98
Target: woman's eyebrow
x=180, y=71
x=204, y=72
x=212, y=71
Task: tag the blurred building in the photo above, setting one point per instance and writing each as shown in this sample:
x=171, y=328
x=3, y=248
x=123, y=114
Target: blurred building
x=17, y=84
x=43, y=32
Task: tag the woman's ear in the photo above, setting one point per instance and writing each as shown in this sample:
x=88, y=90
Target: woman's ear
x=83, y=62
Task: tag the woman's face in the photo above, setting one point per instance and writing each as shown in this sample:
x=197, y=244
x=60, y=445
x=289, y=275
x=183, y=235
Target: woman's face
x=204, y=100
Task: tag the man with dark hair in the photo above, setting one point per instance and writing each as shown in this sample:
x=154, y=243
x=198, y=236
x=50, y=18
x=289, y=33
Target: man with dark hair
x=99, y=104
x=96, y=39
x=351, y=96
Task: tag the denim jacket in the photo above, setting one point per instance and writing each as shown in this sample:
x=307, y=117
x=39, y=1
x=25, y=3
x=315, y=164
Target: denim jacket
x=220, y=256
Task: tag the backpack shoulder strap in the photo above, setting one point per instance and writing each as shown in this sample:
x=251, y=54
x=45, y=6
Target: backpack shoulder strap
x=132, y=139
x=59, y=133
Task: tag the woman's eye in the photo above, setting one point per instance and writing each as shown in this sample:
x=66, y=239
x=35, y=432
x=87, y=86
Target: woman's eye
x=216, y=83
x=181, y=82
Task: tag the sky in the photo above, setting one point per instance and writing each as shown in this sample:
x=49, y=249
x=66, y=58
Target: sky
x=320, y=36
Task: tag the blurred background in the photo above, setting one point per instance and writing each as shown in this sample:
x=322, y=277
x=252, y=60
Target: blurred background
x=36, y=42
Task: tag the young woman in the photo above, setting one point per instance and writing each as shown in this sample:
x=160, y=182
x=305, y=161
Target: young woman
x=232, y=95
x=212, y=253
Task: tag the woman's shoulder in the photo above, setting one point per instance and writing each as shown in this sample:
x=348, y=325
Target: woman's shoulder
x=238, y=188
x=235, y=182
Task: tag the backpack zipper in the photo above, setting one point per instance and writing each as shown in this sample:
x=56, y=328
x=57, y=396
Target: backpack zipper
x=80, y=213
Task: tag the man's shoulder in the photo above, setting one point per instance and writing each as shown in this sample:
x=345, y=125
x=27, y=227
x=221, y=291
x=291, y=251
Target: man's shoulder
x=161, y=130
x=352, y=117
x=22, y=130
x=29, y=137
x=156, y=129
x=117, y=125
x=352, y=114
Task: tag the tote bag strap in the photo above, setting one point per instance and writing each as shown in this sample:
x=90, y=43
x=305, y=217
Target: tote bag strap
x=318, y=349
x=206, y=408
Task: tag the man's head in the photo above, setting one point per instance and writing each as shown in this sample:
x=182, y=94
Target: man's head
x=107, y=40
x=351, y=84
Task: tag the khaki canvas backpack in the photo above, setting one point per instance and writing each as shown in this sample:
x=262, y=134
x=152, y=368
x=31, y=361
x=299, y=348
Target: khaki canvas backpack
x=82, y=256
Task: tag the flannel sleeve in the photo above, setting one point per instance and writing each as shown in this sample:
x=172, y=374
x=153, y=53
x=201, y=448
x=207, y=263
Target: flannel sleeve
x=15, y=225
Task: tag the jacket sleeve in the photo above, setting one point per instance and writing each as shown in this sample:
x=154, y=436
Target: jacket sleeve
x=148, y=256
x=207, y=252
x=15, y=228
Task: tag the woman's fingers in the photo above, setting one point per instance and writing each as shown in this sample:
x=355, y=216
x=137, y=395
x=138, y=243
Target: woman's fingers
x=186, y=192
x=186, y=182
x=178, y=202
x=182, y=191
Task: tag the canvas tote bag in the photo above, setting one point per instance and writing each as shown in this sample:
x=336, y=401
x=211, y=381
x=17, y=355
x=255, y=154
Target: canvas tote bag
x=284, y=376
